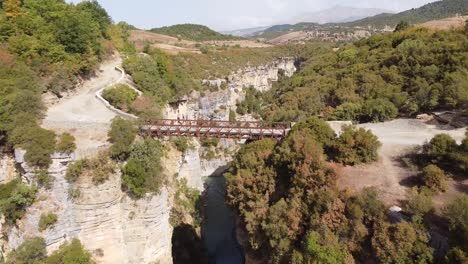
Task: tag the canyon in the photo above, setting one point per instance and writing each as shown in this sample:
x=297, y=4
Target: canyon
x=113, y=226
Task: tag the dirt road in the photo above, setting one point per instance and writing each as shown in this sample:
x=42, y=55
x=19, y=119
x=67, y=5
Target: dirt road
x=397, y=137
x=83, y=115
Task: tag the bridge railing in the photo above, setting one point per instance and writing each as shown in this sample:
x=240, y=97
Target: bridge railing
x=214, y=128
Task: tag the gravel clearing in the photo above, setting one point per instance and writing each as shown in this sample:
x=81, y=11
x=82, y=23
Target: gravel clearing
x=83, y=115
x=398, y=137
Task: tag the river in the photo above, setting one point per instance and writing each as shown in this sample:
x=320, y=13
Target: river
x=218, y=227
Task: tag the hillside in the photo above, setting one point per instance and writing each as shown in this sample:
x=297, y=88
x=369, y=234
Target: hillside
x=352, y=31
x=192, y=32
x=432, y=11
x=338, y=14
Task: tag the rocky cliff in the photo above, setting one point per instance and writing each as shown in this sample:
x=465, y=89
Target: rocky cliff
x=216, y=105
x=112, y=225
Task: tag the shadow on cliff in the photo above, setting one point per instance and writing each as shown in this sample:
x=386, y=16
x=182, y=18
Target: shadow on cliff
x=187, y=247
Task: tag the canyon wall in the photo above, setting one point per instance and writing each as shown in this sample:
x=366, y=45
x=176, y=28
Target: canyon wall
x=114, y=227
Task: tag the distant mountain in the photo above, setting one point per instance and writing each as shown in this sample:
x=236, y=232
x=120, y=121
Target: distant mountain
x=432, y=11
x=338, y=14
x=245, y=32
x=192, y=32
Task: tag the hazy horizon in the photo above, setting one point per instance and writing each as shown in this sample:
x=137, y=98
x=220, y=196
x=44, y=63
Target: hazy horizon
x=230, y=15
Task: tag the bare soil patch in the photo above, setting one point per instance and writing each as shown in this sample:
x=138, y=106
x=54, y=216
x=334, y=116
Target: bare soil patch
x=388, y=174
x=446, y=23
x=82, y=114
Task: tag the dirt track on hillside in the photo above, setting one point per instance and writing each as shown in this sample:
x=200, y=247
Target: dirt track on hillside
x=398, y=137
x=82, y=114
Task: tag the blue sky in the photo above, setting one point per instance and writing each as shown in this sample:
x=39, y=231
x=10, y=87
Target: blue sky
x=230, y=14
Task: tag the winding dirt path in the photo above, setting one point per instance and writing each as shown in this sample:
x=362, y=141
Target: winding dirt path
x=83, y=115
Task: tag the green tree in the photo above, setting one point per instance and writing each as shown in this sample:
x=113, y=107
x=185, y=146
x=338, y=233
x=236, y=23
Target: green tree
x=347, y=112
x=440, y=145
x=143, y=172
x=98, y=14
x=15, y=197
x=401, y=243
x=457, y=215
x=73, y=253
x=122, y=135
x=355, y=146
x=324, y=253
x=402, y=26
x=378, y=110
x=31, y=251
x=121, y=96
x=418, y=204
x=250, y=182
x=434, y=178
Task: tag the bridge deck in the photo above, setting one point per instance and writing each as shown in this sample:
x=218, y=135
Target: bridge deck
x=214, y=128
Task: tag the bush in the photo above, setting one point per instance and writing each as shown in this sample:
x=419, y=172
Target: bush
x=73, y=252
x=182, y=144
x=39, y=146
x=44, y=180
x=347, y=112
x=31, y=251
x=75, y=170
x=143, y=172
x=457, y=215
x=209, y=142
x=355, y=146
x=418, y=204
x=434, y=178
x=66, y=144
x=120, y=96
x=15, y=197
x=46, y=221
x=440, y=145
x=99, y=168
x=186, y=202
x=122, y=135
x=378, y=110
x=318, y=129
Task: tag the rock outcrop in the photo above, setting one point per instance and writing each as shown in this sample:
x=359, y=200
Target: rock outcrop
x=217, y=104
x=111, y=225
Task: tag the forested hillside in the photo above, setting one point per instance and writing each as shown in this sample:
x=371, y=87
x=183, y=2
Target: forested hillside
x=192, y=32
x=431, y=11
x=47, y=46
x=292, y=211
x=403, y=73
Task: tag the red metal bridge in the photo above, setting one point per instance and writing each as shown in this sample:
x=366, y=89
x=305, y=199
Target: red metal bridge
x=251, y=130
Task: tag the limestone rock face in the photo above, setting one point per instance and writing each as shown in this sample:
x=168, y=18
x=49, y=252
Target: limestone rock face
x=216, y=105
x=7, y=169
x=111, y=225
x=114, y=227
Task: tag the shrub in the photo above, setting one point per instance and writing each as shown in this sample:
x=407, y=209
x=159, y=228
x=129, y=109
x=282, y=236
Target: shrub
x=440, y=145
x=347, y=112
x=120, y=96
x=66, y=144
x=75, y=170
x=182, y=144
x=43, y=179
x=209, y=142
x=186, y=202
x=46, y=221
x=73, y=252
x=355, y=146
x=318, y=129
x=232, y=115
x=378, y=110
x=32, y=250
x=99, y=168
x=122, y=135
x=457, y=215
x=15, y=197
x=434, y=178
x=143, y=172
x=39, y=146
x=418, y=204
